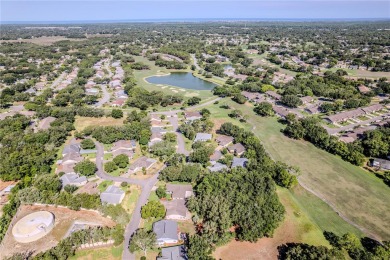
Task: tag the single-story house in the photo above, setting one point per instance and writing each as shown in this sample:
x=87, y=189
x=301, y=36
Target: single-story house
x=237, y=149
x=173, y=253
x=142, y=162
x=380, y=163
x=192, y=115
x=203, y=137
x=224, y=140
x=273, y=95
x=372, y=108
x=91, y=91
x=179, y=191
x=307, y=100
x=124, y=144
x=281, y=111
x=343, y=116
x=73, y=179
x=119, y=102
x=158, y=129
x=71, y=148
x=71, y=158
x=239, y=162
x=112, y=195
x=216, y=156
x=363, y=89
x=176, y=209
x=166, y=232
x=44, y=123
x=216, y=167
x=313, y=109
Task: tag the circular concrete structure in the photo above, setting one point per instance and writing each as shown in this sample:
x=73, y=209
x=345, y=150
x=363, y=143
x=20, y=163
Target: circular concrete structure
x=33, y=226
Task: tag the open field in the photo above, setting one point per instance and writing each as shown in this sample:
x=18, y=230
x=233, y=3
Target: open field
x=354, y=74
x=131, y=199
x=106, y=253
x=296, y=227
x=83, y=122
x=354, y=193
x=63, y=221
x=44, y=40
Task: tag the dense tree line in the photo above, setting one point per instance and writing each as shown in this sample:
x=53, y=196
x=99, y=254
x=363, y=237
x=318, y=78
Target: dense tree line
x=310, y=130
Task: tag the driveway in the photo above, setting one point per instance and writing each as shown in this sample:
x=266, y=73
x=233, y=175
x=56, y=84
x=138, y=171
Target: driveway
x=181, y=147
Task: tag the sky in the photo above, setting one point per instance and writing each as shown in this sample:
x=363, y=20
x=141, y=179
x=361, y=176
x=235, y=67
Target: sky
x=99, y=10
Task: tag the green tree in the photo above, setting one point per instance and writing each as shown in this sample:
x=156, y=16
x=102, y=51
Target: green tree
x=117, y=113
x=86, y=168
x=110, y=167
x=264, y=109
x=153, y=209
x=161, y=192
x=170, y=137
x=87, y=144
x=199, y=248
x=121, y=160
x=142, y=240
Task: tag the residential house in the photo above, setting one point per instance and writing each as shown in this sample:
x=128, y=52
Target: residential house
x=307, y=100
x=166, y=232
x=237, y=149
x=44, y=123
x=71, y=158
x=216, y=156
x=140, y=163
x=73, y=179
x=179, y=191
x=363, y=89
x=176, y=208
x=216, y=167
x=192, y=115
x=381, y=164
x=71, y=148
x=91, y=91
x=173, y=253
x=273, y=95
x=119, y=102
x=239, y=162
x=343, y=116
x=126, y=147
x=158, y=129
x=281, y=111
x=203, y=137
x=224, y=140
x=112, y=195
x=155, y=138
x=313, y=109
x=372, y=108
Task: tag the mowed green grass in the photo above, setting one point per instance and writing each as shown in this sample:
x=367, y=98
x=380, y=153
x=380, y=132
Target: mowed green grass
x=355, y=193
x=107, y=253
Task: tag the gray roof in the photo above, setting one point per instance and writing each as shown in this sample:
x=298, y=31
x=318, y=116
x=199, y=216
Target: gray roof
x=217, y=167
x=176, y=207
x=72, y=179
x=239, y=162
x=71, y=148
x=165, y=229
x=202, y=137
x=180, y=191
x=173, y=253
x=112, y=195
x=158, y=130
x=382, y=163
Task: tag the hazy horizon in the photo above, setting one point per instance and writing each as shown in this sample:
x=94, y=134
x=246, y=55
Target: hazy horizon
x=32, y=11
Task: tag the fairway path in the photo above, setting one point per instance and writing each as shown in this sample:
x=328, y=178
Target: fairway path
x=359, y=197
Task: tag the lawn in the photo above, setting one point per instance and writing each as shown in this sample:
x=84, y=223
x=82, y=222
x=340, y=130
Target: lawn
x=83, y=122
x=107, y=253
x=104, y=184
x=131, y=198
x=353, y=192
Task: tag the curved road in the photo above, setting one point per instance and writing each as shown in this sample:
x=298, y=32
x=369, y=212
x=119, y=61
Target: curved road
x=146, y=186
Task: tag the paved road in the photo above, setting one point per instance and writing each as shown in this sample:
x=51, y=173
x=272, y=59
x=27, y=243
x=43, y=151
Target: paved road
x=146, y=186
x=105, y=98
x=58, y=80
x=181, y=147
x=332, y=131
x=106, y=95
x=195, y=62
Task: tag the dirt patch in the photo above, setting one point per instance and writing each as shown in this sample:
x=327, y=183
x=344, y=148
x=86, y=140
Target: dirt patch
x=64, y=219
x=83, y=122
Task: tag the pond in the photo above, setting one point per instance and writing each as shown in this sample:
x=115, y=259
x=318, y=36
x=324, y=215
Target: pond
x=182, y=80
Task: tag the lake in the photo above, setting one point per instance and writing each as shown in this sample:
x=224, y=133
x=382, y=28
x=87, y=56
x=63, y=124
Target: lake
x=182, y=80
